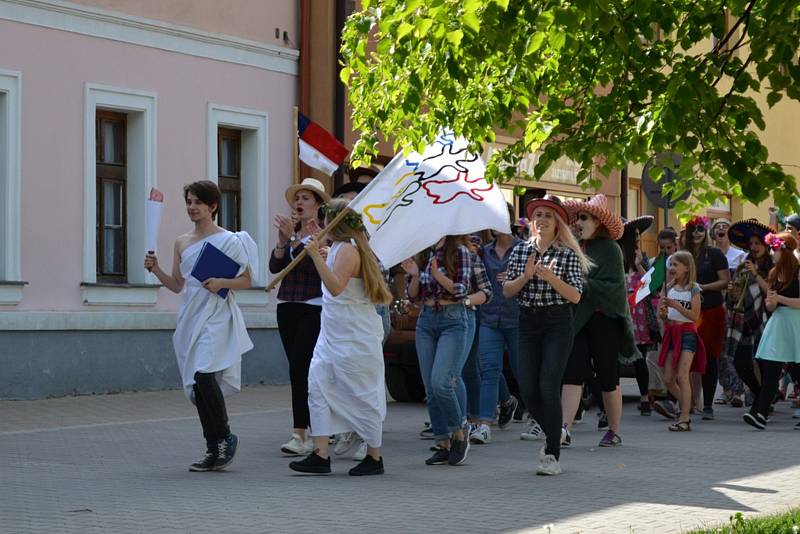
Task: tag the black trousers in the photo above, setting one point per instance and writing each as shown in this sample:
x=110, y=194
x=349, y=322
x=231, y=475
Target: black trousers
x=641, y=371
x=710, y=381
x=745, y=368
x=211, y=409
x=298, y=325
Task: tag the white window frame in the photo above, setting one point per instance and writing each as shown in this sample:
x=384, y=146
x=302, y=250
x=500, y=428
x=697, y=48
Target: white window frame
x=254, y=178
x=141, y=109
x=11, y=283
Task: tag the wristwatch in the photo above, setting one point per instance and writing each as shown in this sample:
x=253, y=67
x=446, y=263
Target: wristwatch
x=467, y=302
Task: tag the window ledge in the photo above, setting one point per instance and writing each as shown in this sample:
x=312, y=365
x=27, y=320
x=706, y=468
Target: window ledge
x=105, y=294
x=11, y=292
x=255, y=296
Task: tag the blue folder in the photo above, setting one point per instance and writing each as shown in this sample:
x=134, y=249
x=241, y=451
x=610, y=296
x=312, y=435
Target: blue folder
x=213, y=263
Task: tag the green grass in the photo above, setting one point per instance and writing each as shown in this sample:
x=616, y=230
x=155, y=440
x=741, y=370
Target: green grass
x=785, y=523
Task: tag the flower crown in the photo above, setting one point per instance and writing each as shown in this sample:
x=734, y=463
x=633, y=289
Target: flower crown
x=351, y=218
x=774, y=242
x=699, y=220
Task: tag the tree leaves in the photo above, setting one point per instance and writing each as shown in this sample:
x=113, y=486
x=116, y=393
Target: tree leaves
x=605, y=83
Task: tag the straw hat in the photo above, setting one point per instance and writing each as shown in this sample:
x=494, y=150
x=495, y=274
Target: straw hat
x=547, y=201
x=598, y=207
x=740, y=233
x=309, y=184
x=641, y=223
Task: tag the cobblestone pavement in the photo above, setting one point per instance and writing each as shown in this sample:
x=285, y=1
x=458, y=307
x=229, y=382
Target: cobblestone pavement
x=118, y=463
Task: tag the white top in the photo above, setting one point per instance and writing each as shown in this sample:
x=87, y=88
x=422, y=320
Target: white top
x=210, y=336
x=684, y=298
x=735, y=257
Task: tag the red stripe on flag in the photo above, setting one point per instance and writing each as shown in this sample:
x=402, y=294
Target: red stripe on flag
x=316, y=136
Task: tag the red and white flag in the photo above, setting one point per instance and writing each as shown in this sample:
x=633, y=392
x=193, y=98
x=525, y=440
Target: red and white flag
x=318, y=148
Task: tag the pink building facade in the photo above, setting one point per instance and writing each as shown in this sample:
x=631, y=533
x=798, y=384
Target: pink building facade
x=100, y=101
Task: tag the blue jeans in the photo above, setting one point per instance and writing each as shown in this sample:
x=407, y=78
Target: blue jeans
x=470, y=374
x=545, y=344
x=384, y=313
x=491, y=342
x=441, y=340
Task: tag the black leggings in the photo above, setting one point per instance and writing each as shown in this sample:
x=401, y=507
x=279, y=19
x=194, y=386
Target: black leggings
x=211, y=409
x=770, y=374
x=710, y=381
x=298, y=325
x=745, y=368
x=642, y=374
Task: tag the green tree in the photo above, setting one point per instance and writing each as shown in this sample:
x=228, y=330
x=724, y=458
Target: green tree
x=604, y=82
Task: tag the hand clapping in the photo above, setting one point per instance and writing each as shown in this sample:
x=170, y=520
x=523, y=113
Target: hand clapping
x=410, y=267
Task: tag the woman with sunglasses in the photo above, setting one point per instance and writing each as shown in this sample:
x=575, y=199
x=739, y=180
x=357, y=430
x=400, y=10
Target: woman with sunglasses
x=713, y=277
x=603, y=326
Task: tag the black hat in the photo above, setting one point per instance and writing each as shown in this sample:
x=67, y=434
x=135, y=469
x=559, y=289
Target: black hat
x=740, y=232
x=641, y=223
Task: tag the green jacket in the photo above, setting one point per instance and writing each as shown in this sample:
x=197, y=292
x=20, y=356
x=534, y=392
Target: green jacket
x=605, y=291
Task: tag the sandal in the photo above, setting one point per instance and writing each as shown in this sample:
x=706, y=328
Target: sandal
x=681, y=426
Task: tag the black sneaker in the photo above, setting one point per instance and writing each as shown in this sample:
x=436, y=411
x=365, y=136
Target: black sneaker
x=440, y=457
x=368, y=466
x=708, y=414
x=458, y=451
x=602, y=422
x=226, y=452
x=755, y=420
x=644, y=409
x=507, y=410
x=206, y=464
x=313, y=463
x=426, y=432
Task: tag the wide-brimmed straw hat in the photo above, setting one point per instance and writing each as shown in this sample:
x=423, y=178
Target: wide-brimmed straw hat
x=597, y=206
x=309, y=184
x=740, y=232
x=641, y=223
x=547, y=201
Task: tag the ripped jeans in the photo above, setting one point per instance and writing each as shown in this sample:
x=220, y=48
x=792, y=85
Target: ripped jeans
x=441, y=340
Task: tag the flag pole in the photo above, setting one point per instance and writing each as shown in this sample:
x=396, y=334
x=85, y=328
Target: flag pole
x=286, y=270
x=296, y=159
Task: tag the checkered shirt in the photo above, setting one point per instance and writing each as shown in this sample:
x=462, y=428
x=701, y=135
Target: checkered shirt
x=479, y=281
x=302, y=283
x=537, y=293
x=429, y=288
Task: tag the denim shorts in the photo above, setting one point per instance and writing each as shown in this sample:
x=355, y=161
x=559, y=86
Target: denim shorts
x=688, y=342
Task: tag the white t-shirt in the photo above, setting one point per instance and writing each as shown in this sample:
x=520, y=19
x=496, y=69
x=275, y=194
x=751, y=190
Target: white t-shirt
x=735, y=257
x=684, y=298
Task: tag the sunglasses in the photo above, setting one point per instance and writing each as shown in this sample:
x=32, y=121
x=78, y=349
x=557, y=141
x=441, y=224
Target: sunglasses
x=699, y=230
x=584, y=217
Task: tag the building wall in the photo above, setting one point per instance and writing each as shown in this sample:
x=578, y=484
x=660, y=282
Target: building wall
x=52, y=342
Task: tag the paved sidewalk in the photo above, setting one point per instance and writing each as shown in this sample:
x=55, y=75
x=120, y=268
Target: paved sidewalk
x=118, y=463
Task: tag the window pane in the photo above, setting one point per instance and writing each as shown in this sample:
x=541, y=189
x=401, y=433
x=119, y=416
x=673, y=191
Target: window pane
x=112, y=209
x=227, y=211
x=228, y=157
x=112, y=251
x=113, y=142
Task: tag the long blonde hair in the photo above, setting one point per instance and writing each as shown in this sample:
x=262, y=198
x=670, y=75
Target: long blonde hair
x=351, y=228
x=686, y=258
x=565, y=238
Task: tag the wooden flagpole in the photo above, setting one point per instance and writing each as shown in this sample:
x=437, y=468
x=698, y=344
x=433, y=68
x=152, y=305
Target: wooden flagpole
x=286, y=270
x=295, y=145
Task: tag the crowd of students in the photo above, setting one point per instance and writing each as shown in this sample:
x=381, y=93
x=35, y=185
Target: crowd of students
x=553, y=296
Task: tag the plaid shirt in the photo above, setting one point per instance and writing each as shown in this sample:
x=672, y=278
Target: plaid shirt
x=430, y=289
x=537, y=293
x=300, y=285
x=479, y=280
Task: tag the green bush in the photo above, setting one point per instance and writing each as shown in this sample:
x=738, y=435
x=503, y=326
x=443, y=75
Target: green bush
x=786, y=523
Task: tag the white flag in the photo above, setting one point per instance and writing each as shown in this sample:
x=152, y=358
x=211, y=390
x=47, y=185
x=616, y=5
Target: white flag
x=418, y=199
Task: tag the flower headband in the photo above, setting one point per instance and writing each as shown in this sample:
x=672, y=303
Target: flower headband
x=351, y=218
x=699, y=220
x=774, y=242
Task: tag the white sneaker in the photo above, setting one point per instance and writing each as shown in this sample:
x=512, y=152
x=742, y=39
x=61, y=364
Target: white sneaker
x=533, y=433
x=361, y=451
x=297, y=447
x=548, y=465
x=481, y=434
x=345, y=443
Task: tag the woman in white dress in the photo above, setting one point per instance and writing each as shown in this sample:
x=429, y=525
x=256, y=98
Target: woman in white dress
x=346, y=382
x=210, y=336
